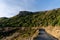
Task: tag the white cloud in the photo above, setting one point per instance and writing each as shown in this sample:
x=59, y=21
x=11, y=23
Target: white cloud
x=7, y=11
x=2, y=8
x=12, y=7
x=27, y=4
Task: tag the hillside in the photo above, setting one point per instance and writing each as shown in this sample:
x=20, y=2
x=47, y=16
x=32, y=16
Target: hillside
x=32, y=19
x=26, y=23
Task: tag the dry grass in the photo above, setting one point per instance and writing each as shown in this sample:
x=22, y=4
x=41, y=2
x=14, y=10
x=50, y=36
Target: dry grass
x=55, y=31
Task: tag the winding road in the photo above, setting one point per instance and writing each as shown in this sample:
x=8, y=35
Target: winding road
x=43, y=35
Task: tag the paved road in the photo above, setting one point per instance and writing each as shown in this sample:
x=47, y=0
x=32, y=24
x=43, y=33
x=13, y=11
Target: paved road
x=43, y=35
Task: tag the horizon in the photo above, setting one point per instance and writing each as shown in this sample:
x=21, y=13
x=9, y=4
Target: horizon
x=9, y=8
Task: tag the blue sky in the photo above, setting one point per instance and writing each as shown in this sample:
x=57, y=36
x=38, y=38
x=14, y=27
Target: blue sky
x=10, y=8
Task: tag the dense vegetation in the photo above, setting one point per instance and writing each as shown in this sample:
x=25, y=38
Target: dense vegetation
x=32, y=19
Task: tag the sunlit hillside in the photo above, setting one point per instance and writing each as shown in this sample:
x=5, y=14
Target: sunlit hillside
x=25, y=24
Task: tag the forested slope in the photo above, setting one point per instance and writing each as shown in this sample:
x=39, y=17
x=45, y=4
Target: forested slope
x=32, y=19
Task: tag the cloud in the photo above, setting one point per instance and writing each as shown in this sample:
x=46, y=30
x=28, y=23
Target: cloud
x=4, y=10
x=12, y=7
x=27, y=4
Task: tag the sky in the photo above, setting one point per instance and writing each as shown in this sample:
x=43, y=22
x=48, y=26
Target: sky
x=9, y=8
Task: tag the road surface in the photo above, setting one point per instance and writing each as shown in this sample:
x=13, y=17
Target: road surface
x=43, y=35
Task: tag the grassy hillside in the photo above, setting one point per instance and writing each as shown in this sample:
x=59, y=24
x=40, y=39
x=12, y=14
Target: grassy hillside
x=32, y=19
x=21, y=24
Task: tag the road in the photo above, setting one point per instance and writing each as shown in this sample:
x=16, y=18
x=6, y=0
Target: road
x=43, y=35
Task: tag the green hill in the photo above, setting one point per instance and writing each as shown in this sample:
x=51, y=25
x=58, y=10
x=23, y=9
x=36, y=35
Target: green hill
x=26, y=23
x=32, y=19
